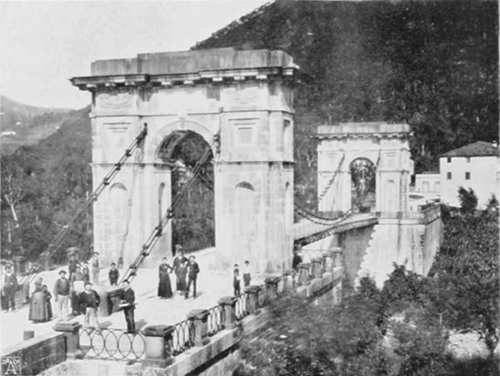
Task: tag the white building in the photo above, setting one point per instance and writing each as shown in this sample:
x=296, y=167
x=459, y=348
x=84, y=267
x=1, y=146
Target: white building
x=471, y=166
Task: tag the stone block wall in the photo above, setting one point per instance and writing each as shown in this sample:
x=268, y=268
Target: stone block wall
x=355, y=244
x=35, y=355
x=404, y=242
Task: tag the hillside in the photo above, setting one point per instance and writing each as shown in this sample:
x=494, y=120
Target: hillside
x=21, y=124
x=431, y=64
x=46, y=182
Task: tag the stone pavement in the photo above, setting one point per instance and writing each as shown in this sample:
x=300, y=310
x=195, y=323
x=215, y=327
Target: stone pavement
x=150, y=309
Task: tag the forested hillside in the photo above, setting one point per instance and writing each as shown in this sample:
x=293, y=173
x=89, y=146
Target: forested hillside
x=42, y=185
x=21, y=124
x=431, y=64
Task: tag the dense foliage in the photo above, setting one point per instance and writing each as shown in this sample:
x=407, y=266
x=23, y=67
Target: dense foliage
x=402, y=329
x=44, y=184
x=432, y=64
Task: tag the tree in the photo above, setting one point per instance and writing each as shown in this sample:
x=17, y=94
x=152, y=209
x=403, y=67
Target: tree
x=468, y=200
x=466, y=272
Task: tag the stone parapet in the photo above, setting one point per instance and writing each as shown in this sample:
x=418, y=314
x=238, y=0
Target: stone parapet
x=199, y=318
x=271, y=284
x=35, y=355
x=71, y=331
x=304, y=276
x=157, y=340
x=317, y=267
x=228, y=304
x=253, y=298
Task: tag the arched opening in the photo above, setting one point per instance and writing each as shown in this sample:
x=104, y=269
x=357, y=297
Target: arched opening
x=193, y=222
x=362, y=185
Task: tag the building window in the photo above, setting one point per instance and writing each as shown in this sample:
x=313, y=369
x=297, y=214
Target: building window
x=468, y=159
x=448, y=159
x=448, y=175
x=467, y=176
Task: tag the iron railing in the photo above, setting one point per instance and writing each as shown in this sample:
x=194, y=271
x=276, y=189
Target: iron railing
x=111, y=344
x=182, y=337
x=117, y=344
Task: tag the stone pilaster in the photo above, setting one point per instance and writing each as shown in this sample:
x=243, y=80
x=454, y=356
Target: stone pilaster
x=157, y=340
x=253, y=298
x=199, y=318
x=71, y=330
x=228, y=304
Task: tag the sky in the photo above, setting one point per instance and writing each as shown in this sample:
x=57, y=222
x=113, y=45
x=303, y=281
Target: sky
x=43, y=44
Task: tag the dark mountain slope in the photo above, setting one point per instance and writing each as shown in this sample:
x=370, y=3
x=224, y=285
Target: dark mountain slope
x=46, y=182
x=432, y=64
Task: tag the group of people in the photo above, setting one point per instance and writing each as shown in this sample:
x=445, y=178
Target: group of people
x=67, y=293
x=186, y=272
x=237, y=276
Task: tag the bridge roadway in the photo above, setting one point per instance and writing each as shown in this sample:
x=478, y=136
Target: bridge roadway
x=150, y=309
x=306, y=232
x=212, y=285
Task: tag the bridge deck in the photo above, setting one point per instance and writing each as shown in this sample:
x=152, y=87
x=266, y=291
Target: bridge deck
x=306, y=231
x=150, y=309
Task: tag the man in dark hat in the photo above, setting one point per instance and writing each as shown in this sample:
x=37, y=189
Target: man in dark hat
x=193, y=270
x=89, y=301
x=61, y=294
x=128, y=305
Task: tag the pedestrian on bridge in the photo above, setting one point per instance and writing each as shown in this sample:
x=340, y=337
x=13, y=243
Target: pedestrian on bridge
x=89, y=301
x=180, y=266
x=247, y=276
x=193, y=270
x=128, y=305
x=113, y=275
x=62, y=289
x=10, y=288
x=164, y=285
x=85, y=272
x=40, y=307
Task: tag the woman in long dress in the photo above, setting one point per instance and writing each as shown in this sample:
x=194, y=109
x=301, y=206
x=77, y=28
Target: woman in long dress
x=181, y=281
x=38, y=305
x=48, y=302
x=164, y=285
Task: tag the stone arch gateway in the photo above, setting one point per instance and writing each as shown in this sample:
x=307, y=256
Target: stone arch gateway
x=240, y=102
x=383, y=145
